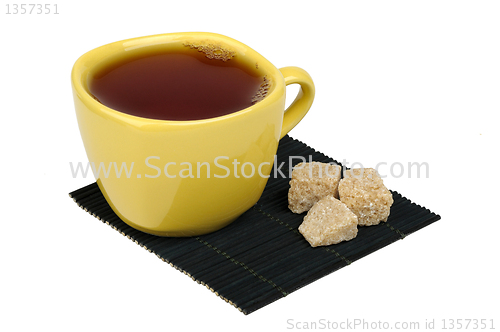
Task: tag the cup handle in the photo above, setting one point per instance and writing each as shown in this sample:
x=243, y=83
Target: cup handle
x=300, y=106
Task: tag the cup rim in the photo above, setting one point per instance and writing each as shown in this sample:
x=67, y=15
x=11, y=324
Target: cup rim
x=87, y=61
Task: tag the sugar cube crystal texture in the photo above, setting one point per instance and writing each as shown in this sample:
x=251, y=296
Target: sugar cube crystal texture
x=328, y=222
x=364, y=193
x=311, y=182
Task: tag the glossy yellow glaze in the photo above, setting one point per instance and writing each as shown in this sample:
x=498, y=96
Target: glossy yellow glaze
x=160, y=195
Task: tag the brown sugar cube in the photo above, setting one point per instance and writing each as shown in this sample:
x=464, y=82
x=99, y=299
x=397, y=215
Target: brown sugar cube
x=311, y=182
x=364, y=193
x=329, y=221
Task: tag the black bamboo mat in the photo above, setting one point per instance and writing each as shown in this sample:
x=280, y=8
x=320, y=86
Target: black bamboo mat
x=261, y=257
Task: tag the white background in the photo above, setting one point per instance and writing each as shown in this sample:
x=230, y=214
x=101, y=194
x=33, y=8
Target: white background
x=397, y=81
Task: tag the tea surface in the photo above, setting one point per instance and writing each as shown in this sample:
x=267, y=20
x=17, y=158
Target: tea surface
x=177, y=86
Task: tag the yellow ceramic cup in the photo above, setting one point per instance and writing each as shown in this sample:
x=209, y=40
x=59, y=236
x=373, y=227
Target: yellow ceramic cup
x=184, y=178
